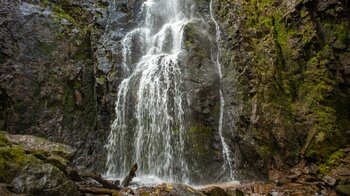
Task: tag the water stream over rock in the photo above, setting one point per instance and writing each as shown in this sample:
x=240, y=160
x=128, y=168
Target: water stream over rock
x=227, y=166
x=150, y=126
x=154, y=81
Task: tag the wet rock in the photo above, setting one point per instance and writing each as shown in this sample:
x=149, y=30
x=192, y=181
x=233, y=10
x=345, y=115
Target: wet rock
x=312, y=169
x=169, y=189
x=330, y=180
x=214, y=191
x=343, y=189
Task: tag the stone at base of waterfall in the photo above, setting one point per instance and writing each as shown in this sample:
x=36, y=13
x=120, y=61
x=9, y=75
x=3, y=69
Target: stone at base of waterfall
x=169, y=189
x=214, y=191
x=29, y=142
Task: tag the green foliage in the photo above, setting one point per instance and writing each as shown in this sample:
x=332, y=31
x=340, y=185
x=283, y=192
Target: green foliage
x=332, y=161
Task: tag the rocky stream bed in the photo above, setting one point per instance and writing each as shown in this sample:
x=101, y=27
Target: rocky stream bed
x=34, y=166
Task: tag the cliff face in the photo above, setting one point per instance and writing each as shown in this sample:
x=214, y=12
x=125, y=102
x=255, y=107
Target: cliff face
x=47, y=71
x=287, y=81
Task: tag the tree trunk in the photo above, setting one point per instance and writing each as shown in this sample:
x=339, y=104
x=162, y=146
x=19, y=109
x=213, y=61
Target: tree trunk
x=130, y=176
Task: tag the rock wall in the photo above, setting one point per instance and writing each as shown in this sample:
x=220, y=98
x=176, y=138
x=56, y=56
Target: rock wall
x=286, y=82
x=47, y=71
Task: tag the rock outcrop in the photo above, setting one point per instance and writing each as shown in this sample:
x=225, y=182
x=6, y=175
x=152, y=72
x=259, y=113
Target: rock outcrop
x=286, y=82
x=47, y=82
x=35, y=169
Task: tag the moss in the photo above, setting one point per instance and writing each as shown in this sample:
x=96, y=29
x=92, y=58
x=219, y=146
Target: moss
x=199, y=136
x=101, y=80
x=12, y=160
x=192, y=40
x=69, y=100
x=46, y=48
x=323, y=169
x=332, y=161
x=4, y=141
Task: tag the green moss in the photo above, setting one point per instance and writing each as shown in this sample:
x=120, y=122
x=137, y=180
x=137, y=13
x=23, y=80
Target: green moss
x=4, y=141
x=192, y=36
x=335, y=157
x=45, y=48
x=323, y=169
x=332, y=161
x=101, y=80
x=12, y=160
x=62, y=14
x=200, y=138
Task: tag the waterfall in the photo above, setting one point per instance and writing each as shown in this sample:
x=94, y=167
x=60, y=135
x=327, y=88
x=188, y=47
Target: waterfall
x=227, y=166
x=149, y=126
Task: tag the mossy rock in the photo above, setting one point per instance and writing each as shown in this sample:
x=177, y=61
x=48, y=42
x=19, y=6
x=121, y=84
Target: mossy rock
x=200, y=140
x=32, y=143
x=3, y=140
x=33, y=172
x=12, y=160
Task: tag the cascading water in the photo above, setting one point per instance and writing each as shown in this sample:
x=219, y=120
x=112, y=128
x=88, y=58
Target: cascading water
x=227, y=166
x=150, y=126
x=151, y=134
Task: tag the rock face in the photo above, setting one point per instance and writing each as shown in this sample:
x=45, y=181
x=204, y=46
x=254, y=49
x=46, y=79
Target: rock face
x=47, y=84
x=286, y=82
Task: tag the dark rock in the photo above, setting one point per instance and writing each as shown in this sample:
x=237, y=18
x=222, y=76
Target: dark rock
x=4, y=190
x=73, y=174
x=343, y=189
x=322, y=5
x=47, y=74
x=214, y=191
x=312, y=169
x=169, y=189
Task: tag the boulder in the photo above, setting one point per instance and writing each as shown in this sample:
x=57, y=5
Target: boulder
x=28, y=170
x=214, y=191
x=343, y=189
x=330, y=180
x=43, y=178
x=32, y=143
x=169, y=189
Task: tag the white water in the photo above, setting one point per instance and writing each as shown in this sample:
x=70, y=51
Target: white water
x=151, y=134
x=149, y=128
x=227, y=166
